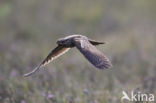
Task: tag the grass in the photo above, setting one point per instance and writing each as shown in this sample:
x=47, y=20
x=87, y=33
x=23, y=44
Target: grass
x=28, y=32
x=70, y=78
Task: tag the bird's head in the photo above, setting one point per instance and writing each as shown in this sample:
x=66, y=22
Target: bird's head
x=68, y=41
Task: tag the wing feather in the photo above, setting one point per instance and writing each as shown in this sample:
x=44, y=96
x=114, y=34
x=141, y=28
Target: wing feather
x=58, y=51
x=93, y=55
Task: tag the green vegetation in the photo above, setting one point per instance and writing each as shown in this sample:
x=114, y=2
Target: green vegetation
x=29, y=30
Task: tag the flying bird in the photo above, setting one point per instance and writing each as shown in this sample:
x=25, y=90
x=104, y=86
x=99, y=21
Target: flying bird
x=84, y=45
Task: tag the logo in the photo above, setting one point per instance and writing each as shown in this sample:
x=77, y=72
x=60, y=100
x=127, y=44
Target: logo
x=141, y=97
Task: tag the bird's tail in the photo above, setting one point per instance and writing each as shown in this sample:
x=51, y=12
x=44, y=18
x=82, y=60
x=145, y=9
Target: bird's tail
x=93, y=42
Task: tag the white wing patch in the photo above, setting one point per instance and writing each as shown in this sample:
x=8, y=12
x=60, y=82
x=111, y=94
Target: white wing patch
x=58, y=51
x=82, y=43
x=52, y=58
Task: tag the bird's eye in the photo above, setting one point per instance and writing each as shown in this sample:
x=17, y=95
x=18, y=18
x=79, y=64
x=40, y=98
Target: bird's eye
x=59, y=42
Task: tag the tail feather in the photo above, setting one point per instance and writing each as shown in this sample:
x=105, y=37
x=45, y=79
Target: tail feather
x=93, y=42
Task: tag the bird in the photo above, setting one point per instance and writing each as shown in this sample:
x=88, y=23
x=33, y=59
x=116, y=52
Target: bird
x=85, y=45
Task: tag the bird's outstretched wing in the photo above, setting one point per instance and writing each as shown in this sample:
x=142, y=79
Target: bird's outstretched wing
x=93, y=55
x=58, y=51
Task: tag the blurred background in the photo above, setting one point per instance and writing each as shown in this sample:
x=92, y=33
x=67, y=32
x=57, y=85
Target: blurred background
x=29, y=30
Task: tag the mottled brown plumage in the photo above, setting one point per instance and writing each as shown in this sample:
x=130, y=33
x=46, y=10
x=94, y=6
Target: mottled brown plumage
x=84, y=45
